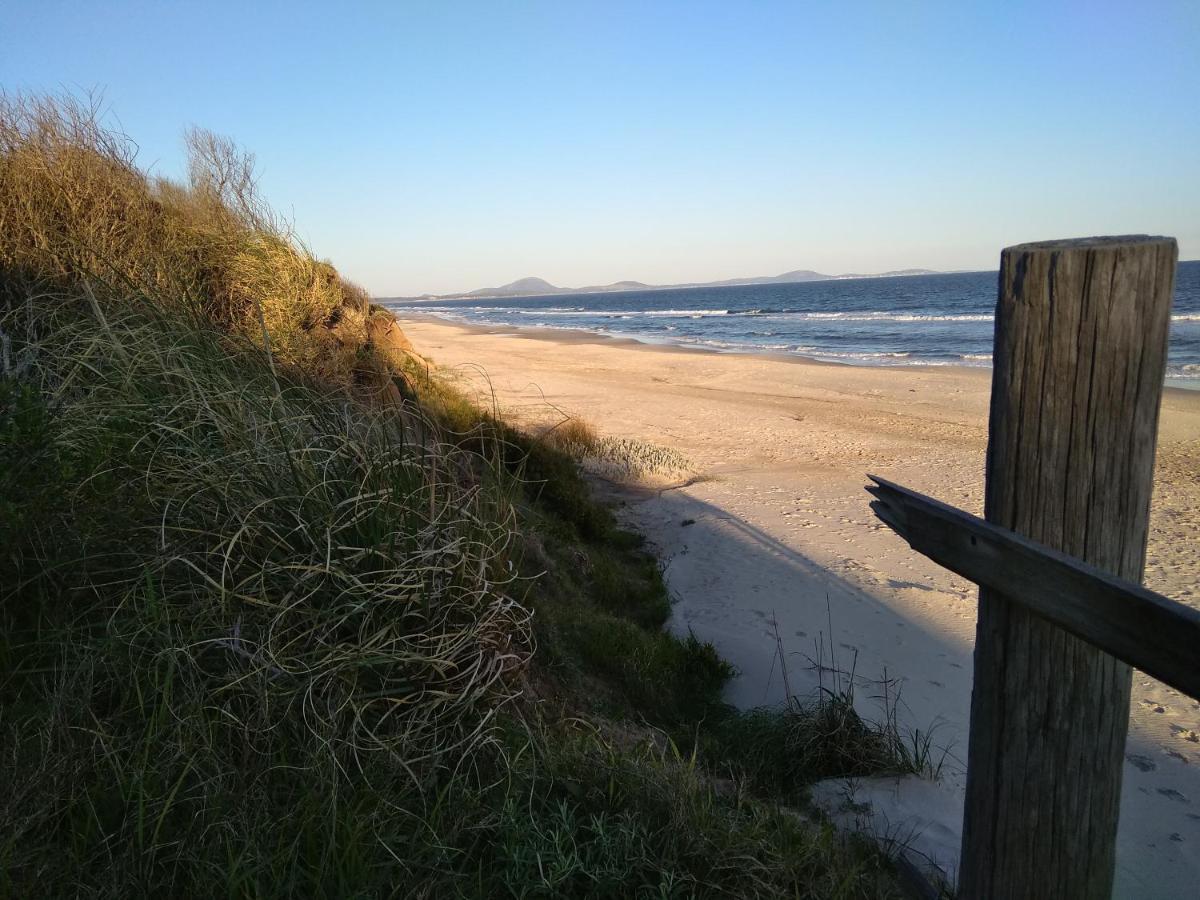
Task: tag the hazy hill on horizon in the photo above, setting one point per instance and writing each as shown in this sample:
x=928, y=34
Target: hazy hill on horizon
x=533, y=286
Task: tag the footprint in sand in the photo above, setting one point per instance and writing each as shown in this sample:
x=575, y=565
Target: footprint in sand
x=1155, y=707
x=1185, y=734
x=1142, y=763
x=1172, y=794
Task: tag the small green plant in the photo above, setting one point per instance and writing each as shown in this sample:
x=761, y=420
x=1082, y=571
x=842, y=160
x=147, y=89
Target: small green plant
x=780, y=751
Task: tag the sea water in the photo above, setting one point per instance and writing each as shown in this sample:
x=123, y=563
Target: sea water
x=931, y=320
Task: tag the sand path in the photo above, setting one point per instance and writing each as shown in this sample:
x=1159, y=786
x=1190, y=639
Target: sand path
x=782, y=542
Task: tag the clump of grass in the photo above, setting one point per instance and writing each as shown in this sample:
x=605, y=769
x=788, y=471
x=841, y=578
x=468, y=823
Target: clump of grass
x=617, y=458
x=550, y=477
x=630, y=459
x=322, y=560
x=639, y=817
x=574, y=436
x=77, y=212
x=780, y=751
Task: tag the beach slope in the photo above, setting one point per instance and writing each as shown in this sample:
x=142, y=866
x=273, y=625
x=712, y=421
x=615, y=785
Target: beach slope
x=775, y=545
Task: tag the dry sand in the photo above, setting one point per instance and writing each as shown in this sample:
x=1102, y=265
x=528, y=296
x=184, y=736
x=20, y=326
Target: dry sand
x=783, y=543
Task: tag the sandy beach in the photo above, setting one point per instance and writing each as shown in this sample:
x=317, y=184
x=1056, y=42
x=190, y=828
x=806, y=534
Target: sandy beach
x=780, y=544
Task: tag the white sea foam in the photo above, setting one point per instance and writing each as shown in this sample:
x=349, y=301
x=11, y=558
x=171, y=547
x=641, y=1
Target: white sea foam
x=882, y=316
x=835, y=316
x=868, y=316
x=606, y=313
x=682, y=312
x=799, y=332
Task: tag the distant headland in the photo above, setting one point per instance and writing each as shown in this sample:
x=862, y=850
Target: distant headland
x=528, y=287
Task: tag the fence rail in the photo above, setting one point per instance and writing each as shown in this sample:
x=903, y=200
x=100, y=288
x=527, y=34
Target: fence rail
x=1156, y=634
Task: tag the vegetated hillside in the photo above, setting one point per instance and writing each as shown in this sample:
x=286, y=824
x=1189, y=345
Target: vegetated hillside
x=283, y=614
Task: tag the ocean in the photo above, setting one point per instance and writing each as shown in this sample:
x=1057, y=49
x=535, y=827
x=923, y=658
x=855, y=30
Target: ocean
x=929, y=320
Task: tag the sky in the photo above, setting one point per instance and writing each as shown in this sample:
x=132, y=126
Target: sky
x=443, y=146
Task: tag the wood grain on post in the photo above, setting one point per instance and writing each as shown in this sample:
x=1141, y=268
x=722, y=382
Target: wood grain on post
x=1080, y=354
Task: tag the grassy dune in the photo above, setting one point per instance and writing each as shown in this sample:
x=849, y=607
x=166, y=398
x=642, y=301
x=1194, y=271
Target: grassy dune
x=283, y=614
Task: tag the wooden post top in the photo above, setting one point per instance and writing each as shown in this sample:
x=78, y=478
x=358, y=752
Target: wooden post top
x=1090, y=243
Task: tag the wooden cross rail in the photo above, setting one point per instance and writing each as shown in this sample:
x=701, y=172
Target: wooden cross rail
x=1154, y=633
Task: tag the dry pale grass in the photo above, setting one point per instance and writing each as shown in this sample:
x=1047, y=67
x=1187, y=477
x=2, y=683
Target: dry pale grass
x=617, y=458
x=75, y=209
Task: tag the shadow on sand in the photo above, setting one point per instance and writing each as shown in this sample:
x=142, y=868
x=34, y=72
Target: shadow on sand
x=754, y=597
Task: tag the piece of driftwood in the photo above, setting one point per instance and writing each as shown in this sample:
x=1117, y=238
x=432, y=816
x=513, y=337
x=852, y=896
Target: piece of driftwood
x=1158, y=635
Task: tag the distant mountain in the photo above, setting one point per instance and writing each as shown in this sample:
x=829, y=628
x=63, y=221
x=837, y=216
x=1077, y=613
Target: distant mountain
x=895, y=273
x=793, y=277
x=522, y=287
x=530, y=287
x=615, y=286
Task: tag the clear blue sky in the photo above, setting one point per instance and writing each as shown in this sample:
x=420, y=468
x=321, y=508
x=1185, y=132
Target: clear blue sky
x=445, y=146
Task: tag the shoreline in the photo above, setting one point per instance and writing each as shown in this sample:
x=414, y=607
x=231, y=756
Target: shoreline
x=778, y=546
x=584, y=336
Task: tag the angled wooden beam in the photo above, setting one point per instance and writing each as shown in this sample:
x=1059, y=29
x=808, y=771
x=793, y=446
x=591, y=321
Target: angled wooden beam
x=1147, y=630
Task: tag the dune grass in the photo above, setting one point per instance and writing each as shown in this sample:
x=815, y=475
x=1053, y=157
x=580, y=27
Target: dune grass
x=282, y=613
x=617, y=458
x=76, y=210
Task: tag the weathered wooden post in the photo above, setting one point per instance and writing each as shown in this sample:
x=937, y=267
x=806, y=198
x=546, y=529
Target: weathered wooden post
x=1081, y=337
